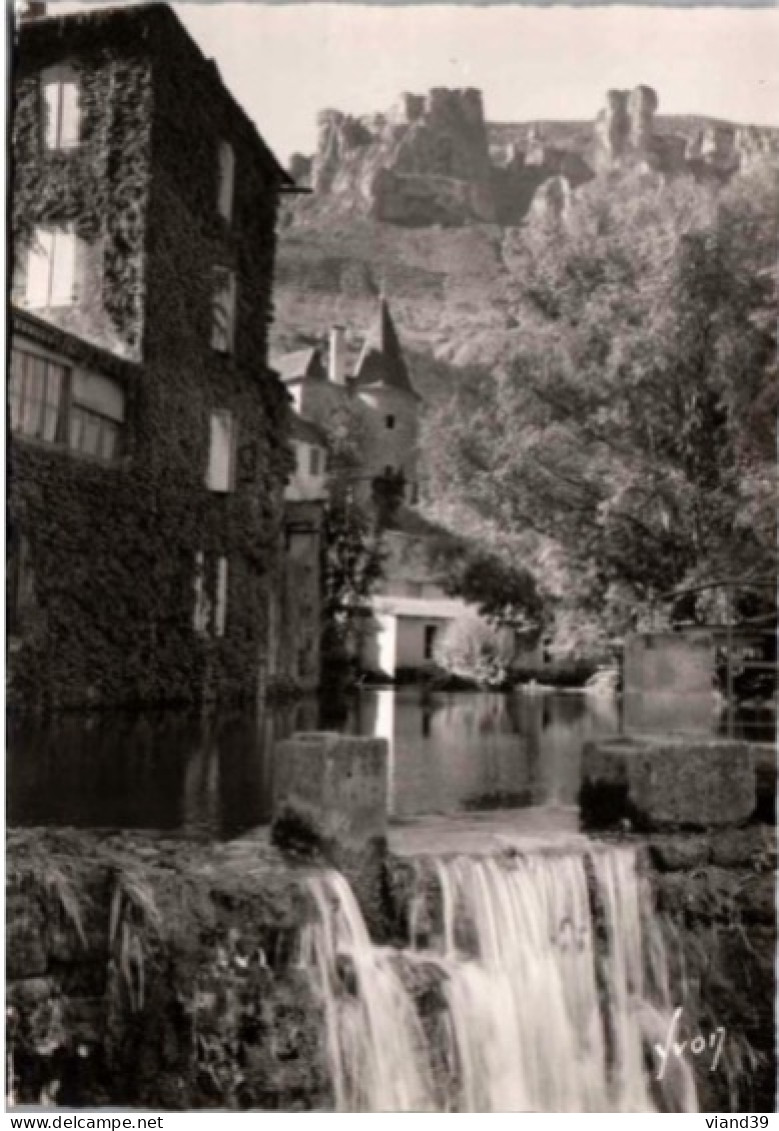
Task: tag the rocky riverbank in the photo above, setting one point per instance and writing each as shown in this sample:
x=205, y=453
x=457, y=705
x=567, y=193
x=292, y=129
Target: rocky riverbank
x=150, y=973
x=155, y=974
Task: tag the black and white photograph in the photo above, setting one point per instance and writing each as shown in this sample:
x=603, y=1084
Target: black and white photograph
x=391, y=559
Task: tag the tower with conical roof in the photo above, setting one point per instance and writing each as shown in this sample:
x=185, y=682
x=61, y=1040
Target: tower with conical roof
x=383, y=385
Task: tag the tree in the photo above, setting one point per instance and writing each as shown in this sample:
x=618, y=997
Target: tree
x=503, y=591
x=472, y=649
x=633, y=430
x=353, y=554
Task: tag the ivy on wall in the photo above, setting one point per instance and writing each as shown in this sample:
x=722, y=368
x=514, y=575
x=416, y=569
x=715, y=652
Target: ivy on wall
x=113, y=548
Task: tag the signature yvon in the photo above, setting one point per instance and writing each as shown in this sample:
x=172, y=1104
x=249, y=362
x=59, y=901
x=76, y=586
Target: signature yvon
x=699, y=1046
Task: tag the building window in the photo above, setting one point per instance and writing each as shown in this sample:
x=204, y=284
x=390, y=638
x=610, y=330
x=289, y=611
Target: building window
x=314, y=456
x=20, y=581
x=37, y=396
x=96, y=416
x=54, y=268
x=221, y=455
x=210, y=585
x=431, y=632
x=226, y=180
x=223, y=312
x=201, y=616
x=220, y=612
x=389, y=421
x=53, y=403
x=61, y=108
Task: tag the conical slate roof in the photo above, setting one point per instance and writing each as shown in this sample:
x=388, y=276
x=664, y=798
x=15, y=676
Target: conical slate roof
x=381, y=361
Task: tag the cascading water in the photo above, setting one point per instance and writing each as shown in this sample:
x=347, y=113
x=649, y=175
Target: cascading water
x=551, y=987
x=375, y=1040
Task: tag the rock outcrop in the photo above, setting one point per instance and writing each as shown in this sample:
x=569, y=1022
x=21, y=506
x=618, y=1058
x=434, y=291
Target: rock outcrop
x=434, y=160
x=427, y=161
x=627, y=134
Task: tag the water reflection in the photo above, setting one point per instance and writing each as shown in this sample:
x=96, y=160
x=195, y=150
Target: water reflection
x=480, y=750
x=185, y=774
x=213, y=778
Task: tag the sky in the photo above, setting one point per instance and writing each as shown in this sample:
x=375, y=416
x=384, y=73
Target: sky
x=286, y=62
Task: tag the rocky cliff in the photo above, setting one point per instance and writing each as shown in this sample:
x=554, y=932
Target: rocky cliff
x=429, y=201
x=434, y=159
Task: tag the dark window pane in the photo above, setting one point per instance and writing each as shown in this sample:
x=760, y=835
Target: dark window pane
x=76, y=428
x=109, y=440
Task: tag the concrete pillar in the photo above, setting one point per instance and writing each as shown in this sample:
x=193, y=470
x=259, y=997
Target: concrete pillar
x=330, y=790
x=672, y=782
x=330, y=801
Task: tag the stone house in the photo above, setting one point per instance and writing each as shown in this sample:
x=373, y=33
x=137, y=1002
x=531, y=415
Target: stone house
x=379, y=387
x=409, y=611
x=148, y=451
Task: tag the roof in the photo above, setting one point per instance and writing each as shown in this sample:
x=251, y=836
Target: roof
x=150, y=20
x=381, y=361
x=426, y=608
x=301, y=364
x=303, y=429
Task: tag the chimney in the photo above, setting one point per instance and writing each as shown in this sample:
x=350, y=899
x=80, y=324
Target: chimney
x=337, y=368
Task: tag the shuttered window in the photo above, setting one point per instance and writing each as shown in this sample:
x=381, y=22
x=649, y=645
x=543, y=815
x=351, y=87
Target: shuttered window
x=54, y=268
x=61, y=107
x=220, y=613
x=210, y=581
x=226, y=180
x=219, y=475
x=223, y=313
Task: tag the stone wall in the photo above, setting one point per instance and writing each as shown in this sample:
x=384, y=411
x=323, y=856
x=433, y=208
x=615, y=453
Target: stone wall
x=716, y=900
x=394, y=447
x=150, y=974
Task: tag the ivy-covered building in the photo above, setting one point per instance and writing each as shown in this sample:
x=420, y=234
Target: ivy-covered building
x=149, y=437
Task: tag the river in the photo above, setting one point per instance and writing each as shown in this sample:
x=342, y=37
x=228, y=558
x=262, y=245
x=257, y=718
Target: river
x=212, y=778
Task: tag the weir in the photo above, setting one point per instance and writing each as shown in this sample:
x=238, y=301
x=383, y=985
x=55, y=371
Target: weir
x=545, y=989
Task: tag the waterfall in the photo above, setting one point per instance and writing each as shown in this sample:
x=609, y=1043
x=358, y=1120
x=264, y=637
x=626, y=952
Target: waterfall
x=375, y=1040
x=551, y=990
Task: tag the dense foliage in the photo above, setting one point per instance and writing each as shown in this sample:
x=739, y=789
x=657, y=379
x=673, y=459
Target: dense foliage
x=352, y=543
x=485, y=575
x=472, y=649
x=630, y=442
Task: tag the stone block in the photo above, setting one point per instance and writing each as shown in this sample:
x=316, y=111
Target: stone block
x=330, y=791
x=667, y=783
x=680, y=853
